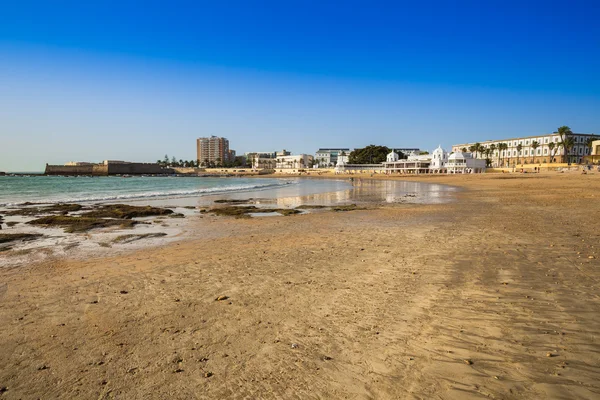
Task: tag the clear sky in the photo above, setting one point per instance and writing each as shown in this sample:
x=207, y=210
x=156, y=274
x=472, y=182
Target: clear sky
x=87, y=81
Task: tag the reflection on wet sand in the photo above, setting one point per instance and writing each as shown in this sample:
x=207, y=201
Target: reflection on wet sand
x=312, y=192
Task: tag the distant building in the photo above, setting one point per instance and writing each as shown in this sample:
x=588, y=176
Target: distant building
x=594, y=156
x=533, y=150
x=328, y=157
x=293, y=164
x=265, y=159
x=76, y=163
x=115, y=162
x=213, y=150
x=439, y=162
x=407, y=150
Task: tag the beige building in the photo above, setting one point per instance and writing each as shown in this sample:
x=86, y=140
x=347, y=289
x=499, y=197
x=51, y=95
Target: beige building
x=533, y=150
x=213, y=149
x=594, y=156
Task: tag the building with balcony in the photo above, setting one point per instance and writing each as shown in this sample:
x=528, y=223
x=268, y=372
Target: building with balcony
x=531, y=150
x=213, y=150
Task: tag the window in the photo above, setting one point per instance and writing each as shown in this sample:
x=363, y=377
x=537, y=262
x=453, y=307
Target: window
x=525, y=152
x=539, y=152
x=527, y=142
x=545, y=151
x=514, y=153
x=546, y=140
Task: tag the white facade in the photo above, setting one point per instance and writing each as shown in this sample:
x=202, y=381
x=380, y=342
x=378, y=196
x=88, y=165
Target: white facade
x=439, y=158
x=528, y=154
x=328, y=157
x=296, y=162
x=392, y=157
x=464, y=163
x=439, y=162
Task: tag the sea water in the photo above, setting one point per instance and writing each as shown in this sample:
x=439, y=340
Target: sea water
x=290, y=192
x=16, y=190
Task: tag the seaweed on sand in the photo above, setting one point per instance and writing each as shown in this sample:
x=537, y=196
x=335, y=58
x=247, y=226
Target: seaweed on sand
x=347, y=207
x=244, y=211
x=13, y=237
x=59, y=208
x=310, y=207
x=81, y=223
x=134, y=237
x=233, y=201
x=125, y=211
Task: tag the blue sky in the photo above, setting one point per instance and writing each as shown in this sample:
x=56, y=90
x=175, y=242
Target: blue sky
x=122, y=80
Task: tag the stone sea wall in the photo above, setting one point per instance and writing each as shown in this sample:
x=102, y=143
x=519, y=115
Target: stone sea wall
x=111, y=169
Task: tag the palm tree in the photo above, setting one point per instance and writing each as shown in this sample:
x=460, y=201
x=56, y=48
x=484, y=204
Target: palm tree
x=492, y=148
x=588, y=143
x=519, y=148
x=478, y=148
x=564, y=132
x=464, y=149
x=551, y=147
x=501, y=147
x=487, y=152
x=535, y=144
x=472, y=148
x=568, y=145
x=505, y=150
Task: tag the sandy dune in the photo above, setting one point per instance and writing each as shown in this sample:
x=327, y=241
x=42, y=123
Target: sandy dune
x=495, y=295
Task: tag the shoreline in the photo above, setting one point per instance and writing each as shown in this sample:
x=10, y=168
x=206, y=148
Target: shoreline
x=302, y=198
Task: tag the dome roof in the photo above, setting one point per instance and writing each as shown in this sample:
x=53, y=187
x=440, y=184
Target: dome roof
x=457, y=156
x=439, y=150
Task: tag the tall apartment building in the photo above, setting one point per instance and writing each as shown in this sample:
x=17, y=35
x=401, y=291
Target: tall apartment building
x=533, y=149
x=213, y=149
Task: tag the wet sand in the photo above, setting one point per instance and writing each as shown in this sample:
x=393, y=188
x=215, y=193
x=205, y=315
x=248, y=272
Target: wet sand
x=495, y=295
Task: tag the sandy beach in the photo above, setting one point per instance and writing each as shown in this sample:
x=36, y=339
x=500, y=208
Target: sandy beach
x=494, y=295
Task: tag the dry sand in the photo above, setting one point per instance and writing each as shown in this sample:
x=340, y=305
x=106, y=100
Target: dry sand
x=492, y=296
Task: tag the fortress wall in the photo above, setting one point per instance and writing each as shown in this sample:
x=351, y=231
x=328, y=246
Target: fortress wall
x=137, y=169
x=100, y=170
x=69, y=169
x=104, y=170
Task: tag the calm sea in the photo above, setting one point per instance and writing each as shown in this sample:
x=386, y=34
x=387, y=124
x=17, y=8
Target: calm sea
x=53, y=189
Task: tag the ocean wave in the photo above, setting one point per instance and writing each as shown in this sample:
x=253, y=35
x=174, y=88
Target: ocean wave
x=158, y=194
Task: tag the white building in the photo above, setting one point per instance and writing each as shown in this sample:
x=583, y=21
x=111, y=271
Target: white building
x=464, y=163
x=293, y=164
x=265, y=159
x=328, y=157
x=438, y=162
x=531, y=150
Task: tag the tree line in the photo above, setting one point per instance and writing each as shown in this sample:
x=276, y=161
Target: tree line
x=371, y=154
x=218, y=163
